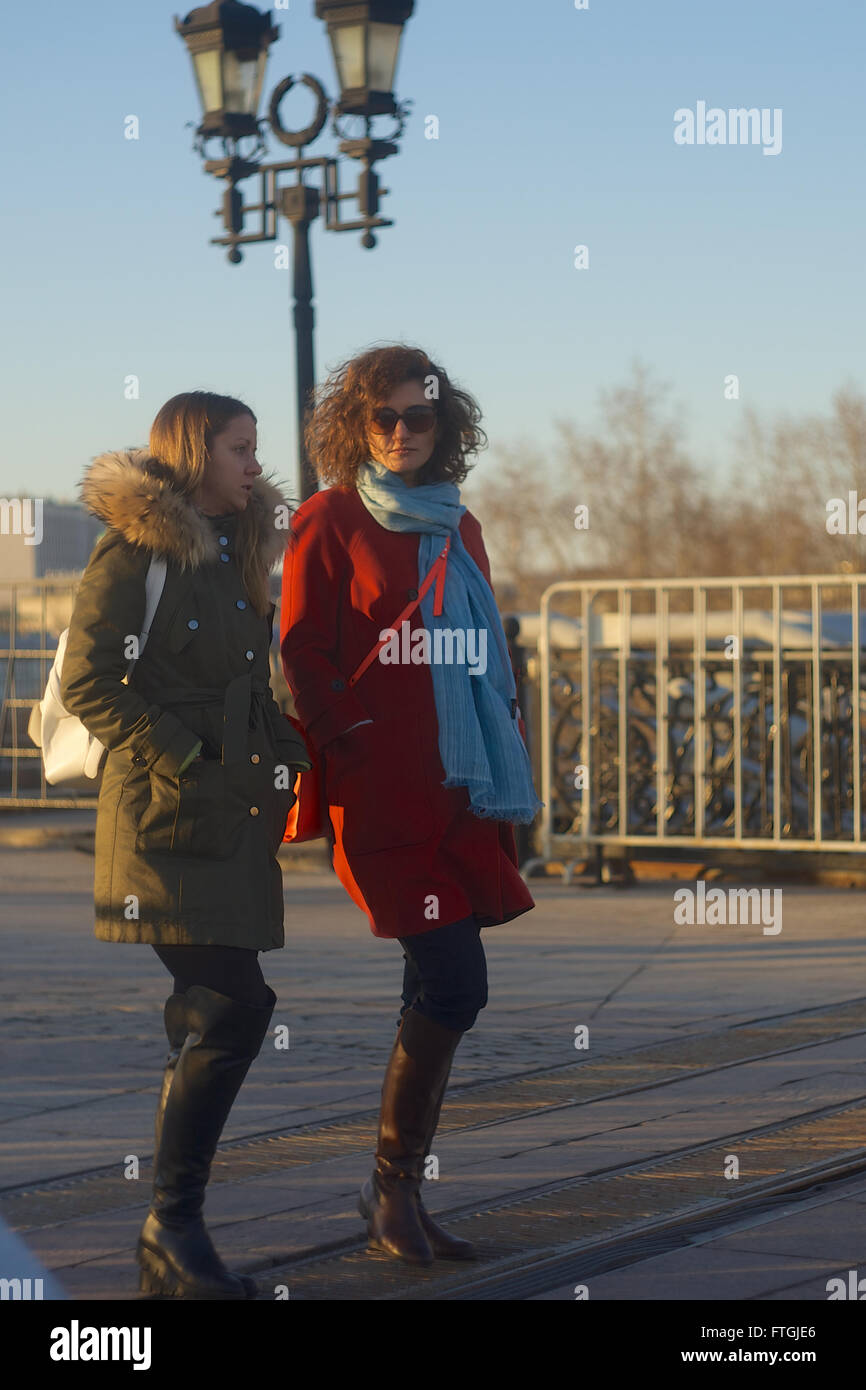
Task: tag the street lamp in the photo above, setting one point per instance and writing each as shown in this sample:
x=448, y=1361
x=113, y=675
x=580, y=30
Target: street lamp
x=228, y=44
x=365, y=40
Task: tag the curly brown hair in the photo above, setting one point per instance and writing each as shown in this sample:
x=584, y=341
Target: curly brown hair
x=339, y=417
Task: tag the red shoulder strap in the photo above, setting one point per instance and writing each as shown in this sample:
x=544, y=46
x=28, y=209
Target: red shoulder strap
x=437, y=572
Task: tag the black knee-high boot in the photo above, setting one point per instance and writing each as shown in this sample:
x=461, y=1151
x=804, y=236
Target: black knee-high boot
x=174, y=1016
x=175, y=1252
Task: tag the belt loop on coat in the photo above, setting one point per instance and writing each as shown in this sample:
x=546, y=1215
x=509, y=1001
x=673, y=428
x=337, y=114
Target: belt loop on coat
x=238, y=699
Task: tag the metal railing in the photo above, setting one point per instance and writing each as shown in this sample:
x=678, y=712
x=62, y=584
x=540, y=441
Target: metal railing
x=663, y=712
x=713, y=712
x=33, y=613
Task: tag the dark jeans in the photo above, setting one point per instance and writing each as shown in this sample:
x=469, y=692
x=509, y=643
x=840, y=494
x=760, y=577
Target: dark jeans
x=445, y=975
x=230, y=970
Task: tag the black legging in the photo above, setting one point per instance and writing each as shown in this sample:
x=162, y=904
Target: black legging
x=230, y=970
x=444, y=977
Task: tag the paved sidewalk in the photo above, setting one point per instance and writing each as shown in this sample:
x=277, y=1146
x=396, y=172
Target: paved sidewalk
x=82, y=1049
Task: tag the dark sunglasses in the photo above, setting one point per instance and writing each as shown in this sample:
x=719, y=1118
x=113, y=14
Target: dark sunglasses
x=419, y=419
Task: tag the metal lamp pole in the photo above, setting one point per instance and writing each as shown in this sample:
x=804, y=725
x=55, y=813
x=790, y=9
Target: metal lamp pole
x=228, y=45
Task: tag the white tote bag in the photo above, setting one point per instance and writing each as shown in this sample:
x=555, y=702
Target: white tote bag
x=69, y=752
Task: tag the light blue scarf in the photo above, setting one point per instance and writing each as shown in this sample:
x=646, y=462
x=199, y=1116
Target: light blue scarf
x=479, y=739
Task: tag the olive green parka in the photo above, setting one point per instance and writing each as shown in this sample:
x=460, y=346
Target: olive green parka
x=182, y=857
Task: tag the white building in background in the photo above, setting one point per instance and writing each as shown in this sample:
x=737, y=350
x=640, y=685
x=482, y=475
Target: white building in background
x=68, y=533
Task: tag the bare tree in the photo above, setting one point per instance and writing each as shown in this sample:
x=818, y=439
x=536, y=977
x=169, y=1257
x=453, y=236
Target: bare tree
x=526, y=536
x=786, y=473
x=645, y=495
x=653, y=512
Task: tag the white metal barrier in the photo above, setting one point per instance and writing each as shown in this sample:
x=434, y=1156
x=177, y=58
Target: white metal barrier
x=33, y=613
x=712, y=712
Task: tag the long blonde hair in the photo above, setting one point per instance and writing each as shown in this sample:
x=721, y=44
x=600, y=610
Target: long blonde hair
x=181, y=438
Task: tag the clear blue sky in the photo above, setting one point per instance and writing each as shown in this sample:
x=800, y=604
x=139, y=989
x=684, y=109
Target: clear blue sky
x=556, y=128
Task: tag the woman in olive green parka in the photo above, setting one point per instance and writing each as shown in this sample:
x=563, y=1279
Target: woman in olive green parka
x=197, y=782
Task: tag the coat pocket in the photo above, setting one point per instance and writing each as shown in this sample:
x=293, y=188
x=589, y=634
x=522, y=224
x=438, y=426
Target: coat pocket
x=376, y=772
x=191, y=815
x=280, y=803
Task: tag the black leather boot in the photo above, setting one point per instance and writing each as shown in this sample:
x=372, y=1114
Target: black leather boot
x=176, y=1031
x=415, y=1077
x=175, y=1252
x=174, y=1016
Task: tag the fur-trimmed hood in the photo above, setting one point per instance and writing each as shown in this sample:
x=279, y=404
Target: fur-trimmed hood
x=137, y=495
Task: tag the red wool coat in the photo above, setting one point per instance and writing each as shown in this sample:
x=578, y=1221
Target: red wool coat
x=406, y=849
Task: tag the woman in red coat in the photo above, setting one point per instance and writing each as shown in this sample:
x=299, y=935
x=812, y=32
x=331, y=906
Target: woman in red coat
x=424, y=763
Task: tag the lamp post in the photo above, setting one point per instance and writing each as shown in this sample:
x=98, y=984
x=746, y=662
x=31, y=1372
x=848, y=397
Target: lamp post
x=228, y=44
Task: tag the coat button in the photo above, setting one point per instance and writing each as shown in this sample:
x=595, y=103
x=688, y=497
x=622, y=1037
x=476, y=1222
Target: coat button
x=138, y=759
x=224, y=540
x=193, y=624
x=411, y=593
x=254, y=758
x=240, y=603
x=338, y=685
x=250, y=656
x=225, y=558
x=254, y=810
